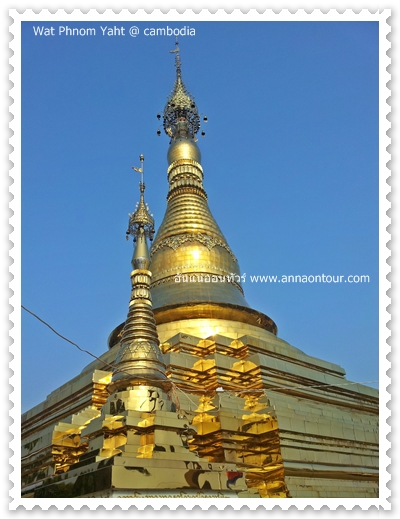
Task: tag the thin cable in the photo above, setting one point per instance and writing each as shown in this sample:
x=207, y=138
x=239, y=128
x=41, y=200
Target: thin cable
x=186, y=395
x=277, y=388
x=65, y=338
x=82, y=349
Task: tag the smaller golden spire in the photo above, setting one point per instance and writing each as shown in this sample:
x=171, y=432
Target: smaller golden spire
x=139, y=360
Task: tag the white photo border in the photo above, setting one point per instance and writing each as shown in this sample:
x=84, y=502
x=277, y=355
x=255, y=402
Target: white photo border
x=384, y=253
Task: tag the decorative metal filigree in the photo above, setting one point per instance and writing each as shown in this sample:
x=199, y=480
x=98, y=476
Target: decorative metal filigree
x=139, y=349
x=141, y=218
x=181, y=118
x=176, y=241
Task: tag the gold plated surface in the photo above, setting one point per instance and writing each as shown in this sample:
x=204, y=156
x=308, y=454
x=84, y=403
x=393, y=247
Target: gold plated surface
x=222, y=407
x=191, y=261
x=139, y=358
x=253, y=417
x=183, y=149
x=189, y=241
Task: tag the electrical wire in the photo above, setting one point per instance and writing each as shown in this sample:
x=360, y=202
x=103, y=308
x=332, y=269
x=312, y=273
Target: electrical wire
x=174, y=388
x=198, y=390
x=65, y=338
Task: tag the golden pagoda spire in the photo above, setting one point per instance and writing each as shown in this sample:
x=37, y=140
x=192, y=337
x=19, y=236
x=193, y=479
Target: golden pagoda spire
x=195, y=272
x=139, y=360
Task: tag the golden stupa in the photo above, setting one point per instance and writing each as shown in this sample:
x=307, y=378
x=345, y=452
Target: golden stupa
x=196, y=395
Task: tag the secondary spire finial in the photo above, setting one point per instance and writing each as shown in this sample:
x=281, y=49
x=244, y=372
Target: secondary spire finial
x=141, y=171
x=141, y=222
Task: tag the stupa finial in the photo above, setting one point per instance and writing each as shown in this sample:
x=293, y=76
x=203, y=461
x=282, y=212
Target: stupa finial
x=141, y=222
x=177, y=58
x=181, y=117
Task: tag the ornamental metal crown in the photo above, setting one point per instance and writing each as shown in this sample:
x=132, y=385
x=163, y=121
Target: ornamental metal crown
x=180, y=113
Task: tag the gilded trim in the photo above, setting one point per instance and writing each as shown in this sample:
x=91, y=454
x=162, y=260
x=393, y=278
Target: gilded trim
x=176, y=241
x=184, y=161
x=199, y=277
x=180, y=190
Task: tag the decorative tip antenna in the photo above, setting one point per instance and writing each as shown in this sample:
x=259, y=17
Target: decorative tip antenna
x=141, y=171
x=177, y=58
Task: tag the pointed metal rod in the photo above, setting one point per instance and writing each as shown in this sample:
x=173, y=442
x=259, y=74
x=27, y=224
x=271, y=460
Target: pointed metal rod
x=141, y=171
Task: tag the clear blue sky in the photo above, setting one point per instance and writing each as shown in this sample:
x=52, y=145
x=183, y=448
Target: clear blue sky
x=291, y=171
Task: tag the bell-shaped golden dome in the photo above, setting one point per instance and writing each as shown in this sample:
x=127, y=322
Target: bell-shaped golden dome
x=195, y=273
x=183, y=149
x=189, y=241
